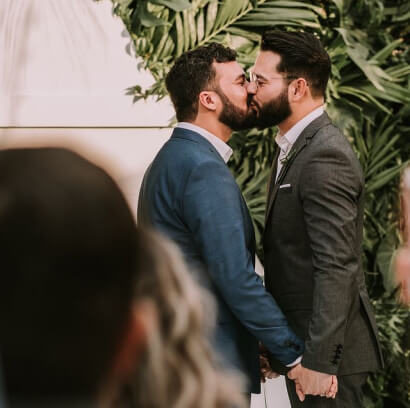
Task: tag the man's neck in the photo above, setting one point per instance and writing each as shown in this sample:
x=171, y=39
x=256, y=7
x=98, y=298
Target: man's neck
x=297, y=115
x=218, y=129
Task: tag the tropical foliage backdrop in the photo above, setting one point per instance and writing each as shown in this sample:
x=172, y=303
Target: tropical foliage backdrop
x=368, y=97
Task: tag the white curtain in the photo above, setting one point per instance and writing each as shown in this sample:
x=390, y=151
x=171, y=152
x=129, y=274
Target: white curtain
x=65, y=36
x=63, y=63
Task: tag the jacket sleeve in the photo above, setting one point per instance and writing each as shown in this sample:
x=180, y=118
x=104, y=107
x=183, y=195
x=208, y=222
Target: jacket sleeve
x=213, y=212
x=330, y=187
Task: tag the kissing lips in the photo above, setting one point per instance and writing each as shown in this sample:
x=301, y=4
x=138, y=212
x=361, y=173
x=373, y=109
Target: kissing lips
x=253, y=106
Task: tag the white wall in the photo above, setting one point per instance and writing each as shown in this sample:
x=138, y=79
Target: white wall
x=63, y=73
x=125, y=152
x=63, y=63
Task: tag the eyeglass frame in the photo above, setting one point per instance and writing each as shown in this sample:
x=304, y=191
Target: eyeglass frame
x=254, y=78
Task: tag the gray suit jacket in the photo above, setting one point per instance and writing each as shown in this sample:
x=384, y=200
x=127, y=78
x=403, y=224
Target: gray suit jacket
x=312, y=246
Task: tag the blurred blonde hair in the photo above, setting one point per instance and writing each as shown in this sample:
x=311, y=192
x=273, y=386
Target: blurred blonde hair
x=180, y=369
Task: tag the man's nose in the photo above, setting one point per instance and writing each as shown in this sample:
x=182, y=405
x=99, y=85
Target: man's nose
x=251, y=87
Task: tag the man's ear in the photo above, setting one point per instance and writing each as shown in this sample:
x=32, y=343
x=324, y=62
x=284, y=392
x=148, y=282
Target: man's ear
x=142, y=321
x=298, y=89
x=208, y=99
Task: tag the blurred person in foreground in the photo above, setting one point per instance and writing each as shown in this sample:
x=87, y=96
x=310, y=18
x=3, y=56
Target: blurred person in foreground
x=71, y=332
x=313, y=224
x=189, y=194
x=402, y=261
x=180, y=368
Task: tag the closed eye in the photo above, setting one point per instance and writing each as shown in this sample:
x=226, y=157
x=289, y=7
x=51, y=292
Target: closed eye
x=241, y=80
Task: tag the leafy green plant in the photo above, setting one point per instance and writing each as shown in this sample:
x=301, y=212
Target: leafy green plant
x=368, y=97
x=163, y=30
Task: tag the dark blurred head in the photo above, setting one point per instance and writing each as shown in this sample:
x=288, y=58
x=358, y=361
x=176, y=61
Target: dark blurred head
x=68, y=250
x=210, y=78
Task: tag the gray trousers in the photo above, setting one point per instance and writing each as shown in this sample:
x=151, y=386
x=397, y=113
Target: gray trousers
x=350, y=394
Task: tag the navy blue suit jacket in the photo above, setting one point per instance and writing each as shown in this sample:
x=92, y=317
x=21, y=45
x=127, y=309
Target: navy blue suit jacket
x=189, y=194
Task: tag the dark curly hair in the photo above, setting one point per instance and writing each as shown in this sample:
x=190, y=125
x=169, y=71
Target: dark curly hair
x=190, y=75
x=302, y=55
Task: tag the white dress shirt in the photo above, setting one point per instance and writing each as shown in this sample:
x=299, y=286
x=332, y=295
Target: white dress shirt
x=221, y=147
x=286, y=141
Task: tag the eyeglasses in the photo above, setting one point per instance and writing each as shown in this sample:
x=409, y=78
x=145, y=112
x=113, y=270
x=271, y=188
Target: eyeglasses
x=260, y=81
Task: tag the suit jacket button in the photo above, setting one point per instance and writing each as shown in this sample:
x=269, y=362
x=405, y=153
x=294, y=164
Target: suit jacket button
x=288, y=343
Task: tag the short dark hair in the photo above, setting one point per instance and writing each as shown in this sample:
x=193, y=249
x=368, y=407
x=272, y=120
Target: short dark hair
x=302, y=55
x=190, y=75
x=68, y=250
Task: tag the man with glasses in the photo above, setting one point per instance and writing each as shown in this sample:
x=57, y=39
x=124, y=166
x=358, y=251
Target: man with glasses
x=313, y=227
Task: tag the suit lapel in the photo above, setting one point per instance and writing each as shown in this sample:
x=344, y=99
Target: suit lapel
x=180, y=133
x=299, y=145
x=271, y=182
x=296, y=149
x=189, y=135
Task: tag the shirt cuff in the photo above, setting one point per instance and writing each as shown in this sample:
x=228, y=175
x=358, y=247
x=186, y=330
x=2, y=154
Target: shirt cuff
x=297, y=361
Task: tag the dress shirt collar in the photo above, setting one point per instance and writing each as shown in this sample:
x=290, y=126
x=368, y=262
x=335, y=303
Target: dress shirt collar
x=286, y=141
x=221, y=147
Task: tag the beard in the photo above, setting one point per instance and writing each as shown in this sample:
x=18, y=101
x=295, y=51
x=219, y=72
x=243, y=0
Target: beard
x=274, y=112
x=233, y=116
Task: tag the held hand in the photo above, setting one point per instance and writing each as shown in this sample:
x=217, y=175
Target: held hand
x=330, y=394
x=333, y=388
x=266, y=370
x=313, y=382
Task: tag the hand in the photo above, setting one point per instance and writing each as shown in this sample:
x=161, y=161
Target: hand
x=313, y=382
x=266, y=370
